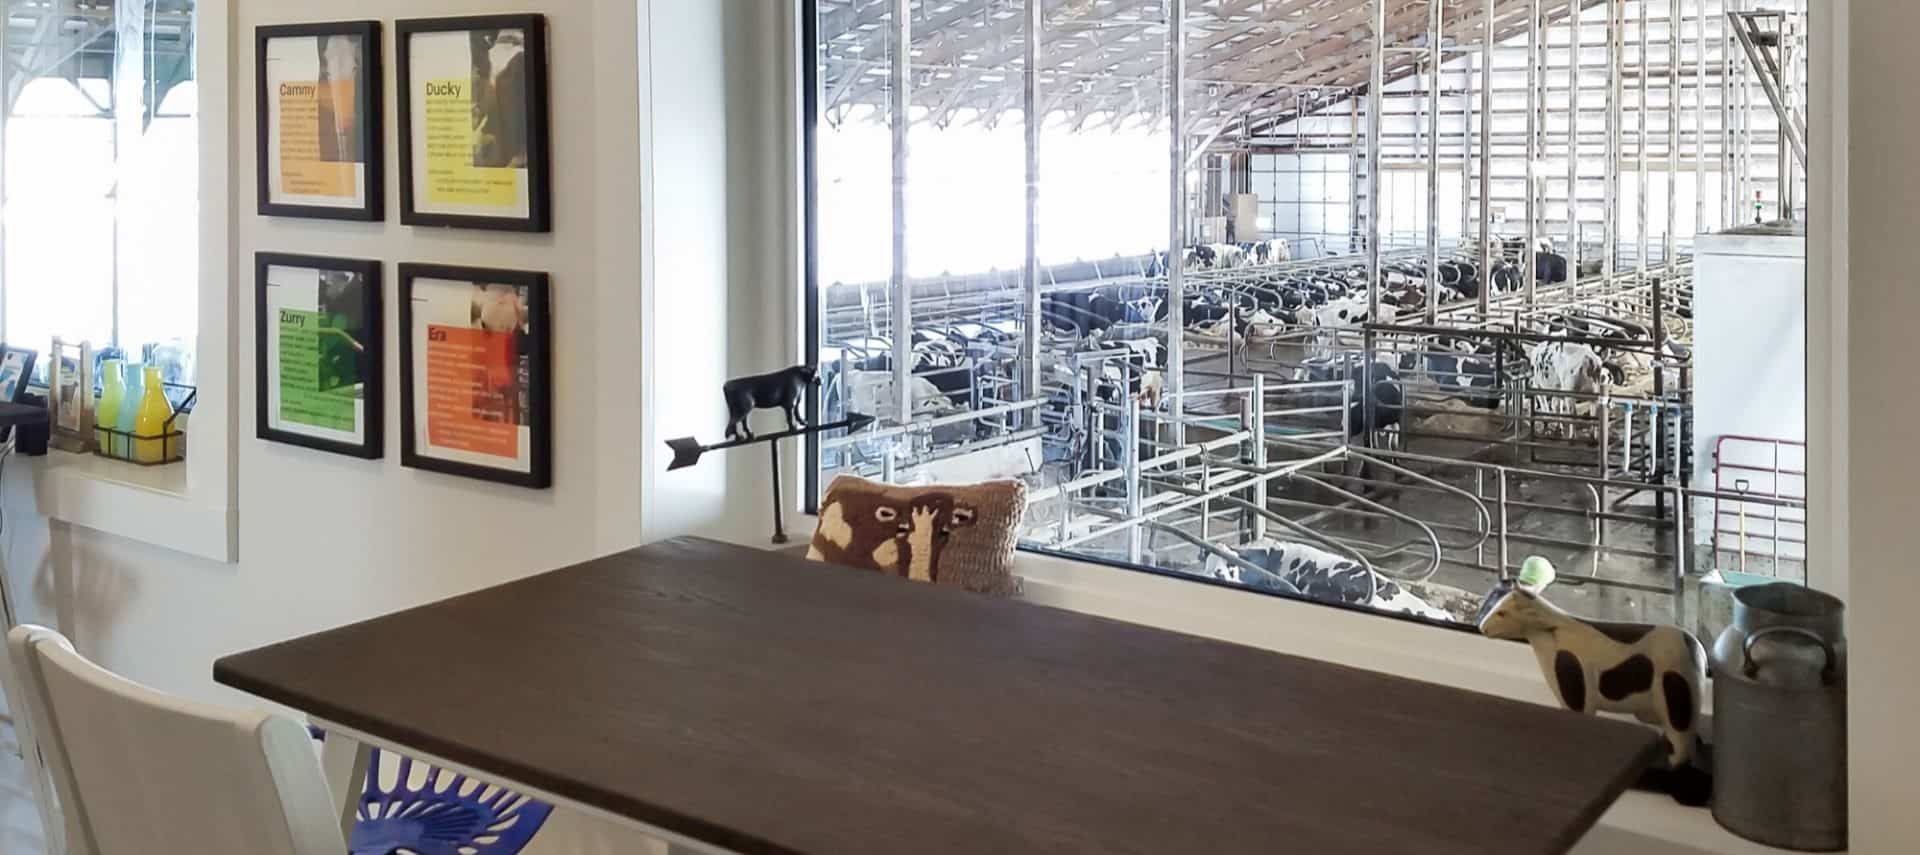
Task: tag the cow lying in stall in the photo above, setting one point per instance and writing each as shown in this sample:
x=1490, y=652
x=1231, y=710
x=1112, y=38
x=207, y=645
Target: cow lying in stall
x=1299, y=569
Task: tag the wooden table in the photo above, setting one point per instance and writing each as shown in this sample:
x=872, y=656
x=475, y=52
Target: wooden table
x=737, y=700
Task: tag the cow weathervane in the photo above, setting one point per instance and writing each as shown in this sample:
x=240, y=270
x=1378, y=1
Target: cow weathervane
x=782, y=390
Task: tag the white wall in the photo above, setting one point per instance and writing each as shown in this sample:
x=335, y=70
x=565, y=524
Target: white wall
x=325, y=540
x=722, y=288
x=1750, y=377
x=671, y=270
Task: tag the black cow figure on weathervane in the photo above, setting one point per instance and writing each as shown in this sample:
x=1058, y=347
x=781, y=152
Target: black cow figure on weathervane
x=782, y=390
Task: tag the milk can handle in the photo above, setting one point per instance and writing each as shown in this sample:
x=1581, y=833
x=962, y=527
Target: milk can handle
x=1826, y=674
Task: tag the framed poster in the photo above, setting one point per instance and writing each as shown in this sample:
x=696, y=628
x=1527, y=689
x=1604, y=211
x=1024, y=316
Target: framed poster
x=475, y=374
x=16, y=369
x=474, y=150
x=318, y=104
x=318, y=360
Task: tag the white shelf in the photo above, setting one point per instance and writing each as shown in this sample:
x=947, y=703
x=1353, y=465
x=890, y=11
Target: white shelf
x=151, y=504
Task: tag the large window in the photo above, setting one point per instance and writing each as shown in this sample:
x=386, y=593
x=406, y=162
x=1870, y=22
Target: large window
x=100, y=178
x=1306, y=198
x=1582, y=349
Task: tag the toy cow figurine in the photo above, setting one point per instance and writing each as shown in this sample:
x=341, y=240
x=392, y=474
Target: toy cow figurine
x=1650, y=672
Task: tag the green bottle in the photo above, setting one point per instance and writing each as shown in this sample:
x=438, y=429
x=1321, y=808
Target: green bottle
x=113, y=392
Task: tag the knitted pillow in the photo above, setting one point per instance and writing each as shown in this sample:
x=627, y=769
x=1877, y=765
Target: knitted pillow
x=956, y=535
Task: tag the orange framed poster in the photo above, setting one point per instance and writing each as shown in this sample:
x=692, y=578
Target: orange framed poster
x=318, y=104
x=475, y=384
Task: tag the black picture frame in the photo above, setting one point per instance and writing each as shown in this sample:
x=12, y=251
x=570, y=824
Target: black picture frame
x=538, y=141
x=25, y=378
x=373, y=393
x=539, y=392
x=369, y=100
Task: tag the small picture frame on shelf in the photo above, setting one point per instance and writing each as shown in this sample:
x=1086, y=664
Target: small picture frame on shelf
x=318, y=102
x=70, y=396
x=472, y=104
x=476, y=374
x=16, y=371
x=319, y=360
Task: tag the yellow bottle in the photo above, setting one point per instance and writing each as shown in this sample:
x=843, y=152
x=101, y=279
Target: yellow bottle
x=106, y=414
x=152, y=421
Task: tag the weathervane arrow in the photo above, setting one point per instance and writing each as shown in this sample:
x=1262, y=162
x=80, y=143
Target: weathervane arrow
x=687, y=450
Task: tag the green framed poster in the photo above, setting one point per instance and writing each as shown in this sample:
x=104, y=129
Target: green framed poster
x=319, y=361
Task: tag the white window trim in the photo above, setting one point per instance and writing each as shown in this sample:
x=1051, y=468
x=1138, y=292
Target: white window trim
x=187, y=507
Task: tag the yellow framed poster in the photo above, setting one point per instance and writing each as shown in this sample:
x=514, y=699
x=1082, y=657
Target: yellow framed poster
x=473, y=123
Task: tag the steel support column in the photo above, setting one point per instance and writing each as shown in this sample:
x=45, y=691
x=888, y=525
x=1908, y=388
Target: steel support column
x=901, y=300
x=1177, y=220
x=1030, y=330
x=1640, y=152
x=1572, y=249
x=1669, y=250
x=1616, y=138
x=1435, y=26
x=1486, y=158
x=1700, y=121
x=1377, y=81
x=1534, y=79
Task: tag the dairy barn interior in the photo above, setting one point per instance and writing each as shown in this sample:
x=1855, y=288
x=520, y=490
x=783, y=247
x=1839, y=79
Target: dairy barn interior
x=1361, y=302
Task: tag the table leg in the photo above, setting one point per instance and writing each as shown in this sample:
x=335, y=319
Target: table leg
x=344, y=761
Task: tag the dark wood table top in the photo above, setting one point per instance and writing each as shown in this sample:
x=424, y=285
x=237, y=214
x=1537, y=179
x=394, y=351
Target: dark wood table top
x=767, y=704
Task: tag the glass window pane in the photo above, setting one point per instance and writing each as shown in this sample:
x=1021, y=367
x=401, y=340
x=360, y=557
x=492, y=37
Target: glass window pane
x=102, y=184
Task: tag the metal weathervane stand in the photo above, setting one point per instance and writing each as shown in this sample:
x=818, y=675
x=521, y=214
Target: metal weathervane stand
x=687, y=452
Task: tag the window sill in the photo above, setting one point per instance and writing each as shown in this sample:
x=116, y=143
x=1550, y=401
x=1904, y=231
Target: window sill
x=1640, y=823
x=150, y=504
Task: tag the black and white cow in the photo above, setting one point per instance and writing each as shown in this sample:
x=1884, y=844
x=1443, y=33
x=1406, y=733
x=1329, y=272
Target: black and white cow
x=1386, y=394
x=1561, y=367
x=1269, y=251
x=940, y=360
x=1227, y=256
x=1322, y=576
x=1334, y=322
x=1472, y=376
x=1650, y=672
x=1505, y=277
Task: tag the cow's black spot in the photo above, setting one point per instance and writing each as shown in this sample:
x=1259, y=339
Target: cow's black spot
x=1679, y=697
x=1631, y=677
x=1573, y=681
x=1625, y=633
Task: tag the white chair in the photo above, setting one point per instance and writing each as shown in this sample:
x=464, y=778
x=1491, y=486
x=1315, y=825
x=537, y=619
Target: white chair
x=138, y=772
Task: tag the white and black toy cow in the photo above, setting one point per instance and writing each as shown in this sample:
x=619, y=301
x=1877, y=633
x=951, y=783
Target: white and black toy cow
x=1650, y=672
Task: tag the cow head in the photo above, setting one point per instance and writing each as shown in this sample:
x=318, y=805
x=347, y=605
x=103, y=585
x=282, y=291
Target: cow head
x=1514, y=608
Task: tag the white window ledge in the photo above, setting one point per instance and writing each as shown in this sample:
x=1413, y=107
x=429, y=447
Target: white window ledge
x=150, y=504
x=1639, y=824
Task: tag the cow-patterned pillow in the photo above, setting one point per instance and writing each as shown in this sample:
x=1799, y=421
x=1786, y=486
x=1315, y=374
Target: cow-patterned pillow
x=956, y=535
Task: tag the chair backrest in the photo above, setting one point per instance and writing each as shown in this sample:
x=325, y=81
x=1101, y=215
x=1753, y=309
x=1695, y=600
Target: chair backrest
x=139, y=771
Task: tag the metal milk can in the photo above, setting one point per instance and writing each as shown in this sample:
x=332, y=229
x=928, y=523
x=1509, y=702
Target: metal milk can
x=1780, y=719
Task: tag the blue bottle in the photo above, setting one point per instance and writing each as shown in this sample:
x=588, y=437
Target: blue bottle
x=128, y=419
